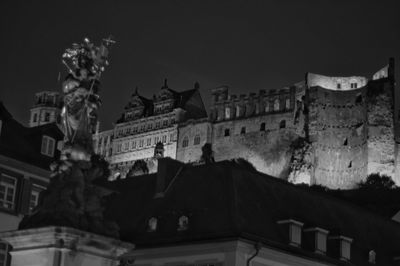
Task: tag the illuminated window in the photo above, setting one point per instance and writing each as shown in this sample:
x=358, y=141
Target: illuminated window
x=196, y=140
x=267, y=106
x=276, y=105
x=183, y=223
x=152, y=226
x=287, y=103
x=372, y=257
x=227, y=113
x=34, y=200
x=185, y=142
x=8, y=185
x=48, y=145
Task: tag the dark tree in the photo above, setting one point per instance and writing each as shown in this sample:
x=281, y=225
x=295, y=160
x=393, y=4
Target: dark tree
x=377, y=181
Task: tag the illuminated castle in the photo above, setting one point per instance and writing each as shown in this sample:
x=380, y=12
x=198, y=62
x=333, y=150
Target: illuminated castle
x=332, y=131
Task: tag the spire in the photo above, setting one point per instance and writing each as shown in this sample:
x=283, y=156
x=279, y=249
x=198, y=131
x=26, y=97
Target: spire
x=136, y=91
x=165, y=84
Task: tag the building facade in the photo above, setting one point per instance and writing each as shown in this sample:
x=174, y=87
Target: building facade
x=25, y=156
x=331, y=131
x=46, y=108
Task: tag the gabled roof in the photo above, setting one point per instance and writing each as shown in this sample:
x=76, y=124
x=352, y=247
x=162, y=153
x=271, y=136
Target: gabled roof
x=225, y=199
x=22, y=143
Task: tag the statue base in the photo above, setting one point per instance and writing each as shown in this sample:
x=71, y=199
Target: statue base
x=55, y=246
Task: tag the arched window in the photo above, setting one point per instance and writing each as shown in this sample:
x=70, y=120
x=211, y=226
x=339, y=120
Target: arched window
x=282, y=124
x=185, y=142
x=196, y=140
x=262, y=127
x=152, y=225
x=276, y=105
x=183, y=223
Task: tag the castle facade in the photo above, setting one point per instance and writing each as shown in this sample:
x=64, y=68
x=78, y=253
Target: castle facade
x=331, y=131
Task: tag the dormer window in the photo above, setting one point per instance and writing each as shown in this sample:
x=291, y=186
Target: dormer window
x=342, y=246
x=196, y=140
x=316, y=239
x=152, y=224
x=372, y=257
x=294, y=231
x=48, y=145
x=183, y=223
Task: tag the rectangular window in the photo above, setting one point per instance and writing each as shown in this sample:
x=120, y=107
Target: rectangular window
x=171, y=138
x=126, y=146
x=164, y=139
x=295, y=234
x=141, y=142
x=8, y=185
x=227, y=113
x=46, y=117
x=338, y=86
x=165, y=123
x=148, y=141
x=133, y=145
x=34, y=200
x=48, y=145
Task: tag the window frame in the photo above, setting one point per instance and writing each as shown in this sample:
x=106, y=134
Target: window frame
x=46, y=147
x=3, y=200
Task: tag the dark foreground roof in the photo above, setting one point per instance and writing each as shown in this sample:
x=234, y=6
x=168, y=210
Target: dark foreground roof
x=22, y=143
x=228, y=200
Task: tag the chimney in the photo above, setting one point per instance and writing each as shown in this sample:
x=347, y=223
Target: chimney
x=167, y=170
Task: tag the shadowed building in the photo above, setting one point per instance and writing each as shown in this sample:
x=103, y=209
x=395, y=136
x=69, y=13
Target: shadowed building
x=226, y=213
x=25, y=156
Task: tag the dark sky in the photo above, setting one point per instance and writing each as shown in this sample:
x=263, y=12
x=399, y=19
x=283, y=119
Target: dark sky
x=248, y=45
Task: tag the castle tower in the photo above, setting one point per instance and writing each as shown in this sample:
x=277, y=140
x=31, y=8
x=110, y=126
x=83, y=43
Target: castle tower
x=46, y=108
x=340, y=130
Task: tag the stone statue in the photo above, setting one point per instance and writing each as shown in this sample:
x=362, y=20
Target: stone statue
x=71, y=198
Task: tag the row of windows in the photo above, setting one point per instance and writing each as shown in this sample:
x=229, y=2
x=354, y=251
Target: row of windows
x=137, y=144
x=145, y=127
x=8, y=193
x=46, y=117
x=353, y=85
x=196, y=141
x=269, y=107
x=227, y=131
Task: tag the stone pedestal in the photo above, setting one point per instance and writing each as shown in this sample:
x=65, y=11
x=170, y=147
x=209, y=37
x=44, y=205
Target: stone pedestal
x=63, y=246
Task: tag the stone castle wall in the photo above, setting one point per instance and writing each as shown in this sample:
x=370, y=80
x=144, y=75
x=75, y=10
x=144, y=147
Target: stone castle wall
x=341, y=137
x=268, y=149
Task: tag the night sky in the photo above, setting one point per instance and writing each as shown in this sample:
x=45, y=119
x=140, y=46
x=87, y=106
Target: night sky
x=248, y=45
